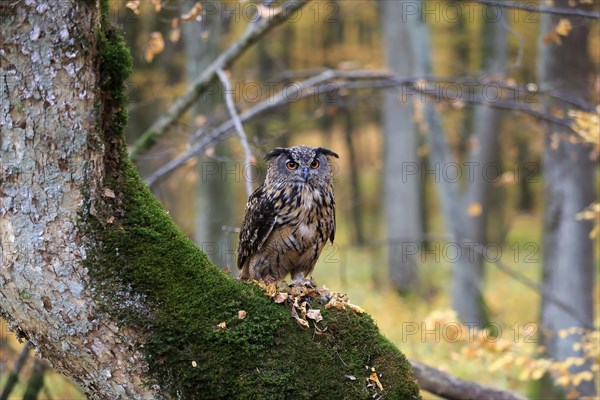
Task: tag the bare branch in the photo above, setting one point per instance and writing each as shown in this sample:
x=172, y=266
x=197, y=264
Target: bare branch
x=573, y=12
x=334, y=80
x=200, y=84
x=238, y=127
x=452, y=388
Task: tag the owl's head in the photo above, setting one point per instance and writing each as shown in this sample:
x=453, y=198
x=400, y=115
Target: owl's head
x=300, y=165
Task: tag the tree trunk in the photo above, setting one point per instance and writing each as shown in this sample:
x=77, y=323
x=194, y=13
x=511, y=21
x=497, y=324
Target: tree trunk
x=568, y=269
x=94, y=272
x=401, y=162
x=480, y=172
x=356, y=210
x=215, y=178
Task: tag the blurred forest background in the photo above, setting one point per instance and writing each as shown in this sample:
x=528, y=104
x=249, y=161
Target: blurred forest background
x=467, y=184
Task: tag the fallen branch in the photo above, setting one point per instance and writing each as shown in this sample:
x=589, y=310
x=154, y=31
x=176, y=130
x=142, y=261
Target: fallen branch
x=452, y=388
x=200, y=84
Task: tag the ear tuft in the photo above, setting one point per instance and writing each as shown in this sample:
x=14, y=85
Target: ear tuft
x=327, y=152
x=275, y=152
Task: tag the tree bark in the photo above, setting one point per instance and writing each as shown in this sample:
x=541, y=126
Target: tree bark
x=401, y=178
x=94, y=272
x=481, y=171
x=568, y=268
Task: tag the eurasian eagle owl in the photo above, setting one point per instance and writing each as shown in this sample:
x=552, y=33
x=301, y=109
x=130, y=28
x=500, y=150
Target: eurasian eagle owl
x=290, y=217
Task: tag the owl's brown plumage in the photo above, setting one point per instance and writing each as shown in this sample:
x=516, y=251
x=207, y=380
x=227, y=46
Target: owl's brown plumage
x=290, y=217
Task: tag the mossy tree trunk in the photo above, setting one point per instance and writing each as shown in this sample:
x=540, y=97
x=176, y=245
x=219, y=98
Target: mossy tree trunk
x=95, y=274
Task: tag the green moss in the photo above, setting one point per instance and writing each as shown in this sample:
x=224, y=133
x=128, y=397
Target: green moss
x=148, y=275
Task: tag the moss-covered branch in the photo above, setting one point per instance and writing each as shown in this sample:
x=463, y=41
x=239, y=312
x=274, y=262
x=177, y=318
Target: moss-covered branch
x=150, y=277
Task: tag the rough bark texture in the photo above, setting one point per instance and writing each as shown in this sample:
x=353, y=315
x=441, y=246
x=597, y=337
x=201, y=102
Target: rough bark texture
x=402, y=179
x=95, y=273
x=51, y=154
x=568, y=270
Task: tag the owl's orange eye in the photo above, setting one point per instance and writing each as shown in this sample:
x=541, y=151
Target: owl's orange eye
x=314, y=164
x=291, y=165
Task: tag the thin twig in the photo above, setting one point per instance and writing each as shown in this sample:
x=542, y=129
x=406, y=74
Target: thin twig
x=200, y=84
x=573, y=12
x=238, y=127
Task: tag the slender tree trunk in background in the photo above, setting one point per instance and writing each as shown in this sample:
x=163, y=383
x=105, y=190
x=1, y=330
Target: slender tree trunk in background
x=481, y=170
x=356, y=210
x=401, y=176
x=215, y=177
x=568, y=269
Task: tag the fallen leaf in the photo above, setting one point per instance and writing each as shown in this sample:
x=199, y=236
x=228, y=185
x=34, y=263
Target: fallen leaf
x=280, y=297
x=300, y=321
x=351, y=377
x=222, y=325
x=109, y=193
x=194, y=364
x=375, y=379
x=242, y=314
x=314, y=314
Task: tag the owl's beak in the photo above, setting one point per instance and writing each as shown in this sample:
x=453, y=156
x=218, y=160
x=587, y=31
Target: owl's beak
x=305, y=173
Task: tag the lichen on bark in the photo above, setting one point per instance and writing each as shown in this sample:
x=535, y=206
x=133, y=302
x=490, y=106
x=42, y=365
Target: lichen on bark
x=151, y=278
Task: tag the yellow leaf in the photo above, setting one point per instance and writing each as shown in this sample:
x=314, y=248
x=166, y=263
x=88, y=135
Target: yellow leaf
x=222, y=325
x=375, y=379
x=563, y=333
x=563, y=380
x=564, y=27
x=474, y=210
x=582, y=376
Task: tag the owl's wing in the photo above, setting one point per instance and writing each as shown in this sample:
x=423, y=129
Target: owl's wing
x=258, y=223
x=332, y=235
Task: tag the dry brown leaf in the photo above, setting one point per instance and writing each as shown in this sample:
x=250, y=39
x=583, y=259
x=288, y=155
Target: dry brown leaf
x=109, y=193
x=300, y=321
x=242, y=314
x=155, y=46
x=280, y=297
x=375, y=379
x=195, y=13
x=552, y=36
x=314, y=314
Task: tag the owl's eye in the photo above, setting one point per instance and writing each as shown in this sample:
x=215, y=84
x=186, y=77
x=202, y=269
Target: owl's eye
x=291, y=165
x=314, y=164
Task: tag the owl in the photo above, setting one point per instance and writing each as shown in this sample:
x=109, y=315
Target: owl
x=290, y=217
